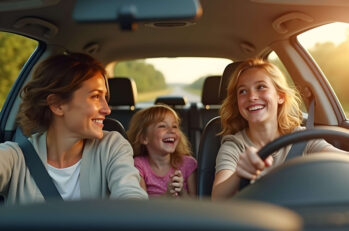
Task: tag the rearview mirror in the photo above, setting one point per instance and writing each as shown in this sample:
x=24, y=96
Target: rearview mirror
x=128, y=12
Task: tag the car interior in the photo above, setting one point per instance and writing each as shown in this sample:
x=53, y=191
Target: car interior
x=305, y=193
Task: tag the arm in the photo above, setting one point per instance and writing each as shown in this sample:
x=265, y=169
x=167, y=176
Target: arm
x=123, y=177
x=10, y=154
x=249, y=166
x=224, y=185
x=142, y=183
x=191, y=183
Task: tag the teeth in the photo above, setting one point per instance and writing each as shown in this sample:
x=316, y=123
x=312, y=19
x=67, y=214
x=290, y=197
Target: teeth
x=98, y=121
x=254, y=108
x=169, y=140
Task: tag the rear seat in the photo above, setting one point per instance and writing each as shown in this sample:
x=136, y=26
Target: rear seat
x=210, y=99
x=123, y=95
x=201, y=114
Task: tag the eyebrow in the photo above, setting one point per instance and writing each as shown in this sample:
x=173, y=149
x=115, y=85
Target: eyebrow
x=258, y=82
x=99, y=91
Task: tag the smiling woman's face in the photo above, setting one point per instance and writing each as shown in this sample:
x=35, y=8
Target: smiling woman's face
x=85, y=112
x=257, y=97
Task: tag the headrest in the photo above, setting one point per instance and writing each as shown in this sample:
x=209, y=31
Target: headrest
x=171, y=100
x=123, y=91
x=210, y=90
x=227, y=74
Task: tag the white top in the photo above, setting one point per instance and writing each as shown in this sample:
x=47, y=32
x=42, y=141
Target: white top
x=67, y=180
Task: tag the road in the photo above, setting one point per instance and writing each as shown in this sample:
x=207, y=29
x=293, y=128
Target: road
x=179, y=91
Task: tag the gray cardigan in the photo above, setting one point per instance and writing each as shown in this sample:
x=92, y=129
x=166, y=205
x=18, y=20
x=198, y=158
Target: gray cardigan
x=107, y=170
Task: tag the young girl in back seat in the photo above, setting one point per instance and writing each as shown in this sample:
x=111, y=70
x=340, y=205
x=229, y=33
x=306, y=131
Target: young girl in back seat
x=162, y=153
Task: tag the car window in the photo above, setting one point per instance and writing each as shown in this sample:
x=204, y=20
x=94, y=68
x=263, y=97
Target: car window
x=329, y=47
x=274, y=58
x=14, y=52
x=169, y=76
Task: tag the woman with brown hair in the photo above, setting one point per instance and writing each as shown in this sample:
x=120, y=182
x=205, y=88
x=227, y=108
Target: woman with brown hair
x=62, y=111
x=259, y=107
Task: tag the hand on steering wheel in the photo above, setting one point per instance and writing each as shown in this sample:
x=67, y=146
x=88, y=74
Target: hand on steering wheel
x=296, y=137
x=250, y=164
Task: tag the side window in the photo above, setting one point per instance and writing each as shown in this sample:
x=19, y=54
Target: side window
x=273, y=58
x=14, y=52
x=329, y=47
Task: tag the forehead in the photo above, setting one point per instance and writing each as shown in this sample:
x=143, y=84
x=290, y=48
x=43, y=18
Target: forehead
x=253, y=75
x=96, y=82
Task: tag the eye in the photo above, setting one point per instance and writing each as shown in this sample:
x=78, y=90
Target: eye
x=242, y=92
x=175, y=126
x=161, y=125
x=96, y=96
x=261, y=86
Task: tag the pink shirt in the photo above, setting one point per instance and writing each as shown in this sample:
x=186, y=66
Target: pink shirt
x=157, y=185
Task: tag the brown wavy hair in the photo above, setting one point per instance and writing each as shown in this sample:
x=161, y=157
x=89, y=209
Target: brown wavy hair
x=289, y=113
x=60, y=75
x=139, y=124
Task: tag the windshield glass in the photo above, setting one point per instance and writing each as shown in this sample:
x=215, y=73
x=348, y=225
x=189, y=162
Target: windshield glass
x=169, y=76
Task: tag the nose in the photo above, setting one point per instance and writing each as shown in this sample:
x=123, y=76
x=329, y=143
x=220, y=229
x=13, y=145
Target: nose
x=105, y=109
x=252, y=95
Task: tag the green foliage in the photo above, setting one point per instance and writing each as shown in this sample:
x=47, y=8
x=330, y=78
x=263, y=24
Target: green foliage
x=14, y=52
x=334, y=61
x=147, y=78
x=197, y=84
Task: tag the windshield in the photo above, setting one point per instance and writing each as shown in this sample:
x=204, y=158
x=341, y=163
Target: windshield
x=169, y=76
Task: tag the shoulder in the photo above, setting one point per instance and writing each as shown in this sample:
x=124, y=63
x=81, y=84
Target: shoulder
x=112, y=145
x=189, y=160
x=10, y=151
x=140, y=160
x=299, y=128
x=237, y=140
x=188, y=166
x=111, y=139
x=9, y=148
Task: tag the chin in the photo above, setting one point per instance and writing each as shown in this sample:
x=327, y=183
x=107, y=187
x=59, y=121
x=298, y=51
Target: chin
x=97, y=135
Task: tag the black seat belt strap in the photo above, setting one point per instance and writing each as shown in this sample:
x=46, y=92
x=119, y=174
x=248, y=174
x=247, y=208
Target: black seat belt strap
x=298, y=148
x=37, y=169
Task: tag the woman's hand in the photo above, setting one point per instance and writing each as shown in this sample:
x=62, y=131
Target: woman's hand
x=250, y=164
x=175, y=186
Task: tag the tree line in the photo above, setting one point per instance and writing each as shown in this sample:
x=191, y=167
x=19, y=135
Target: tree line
x=147, y=78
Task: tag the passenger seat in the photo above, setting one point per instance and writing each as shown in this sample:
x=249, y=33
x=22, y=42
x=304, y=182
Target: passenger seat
x=123, y=95
x=201, y=114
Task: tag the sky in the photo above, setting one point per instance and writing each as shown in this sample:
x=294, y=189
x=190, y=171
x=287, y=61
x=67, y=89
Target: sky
x=187, y=70
x=335, y=32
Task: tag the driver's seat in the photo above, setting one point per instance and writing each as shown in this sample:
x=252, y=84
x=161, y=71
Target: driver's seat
x=210, y=142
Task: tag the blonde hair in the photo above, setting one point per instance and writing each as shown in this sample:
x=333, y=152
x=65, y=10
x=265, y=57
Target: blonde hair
x=289, y=113
x=139, y=124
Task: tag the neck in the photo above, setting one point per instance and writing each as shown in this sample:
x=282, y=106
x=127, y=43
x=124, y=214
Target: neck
x=260, y=135
x=159, y=161
x=62, y=150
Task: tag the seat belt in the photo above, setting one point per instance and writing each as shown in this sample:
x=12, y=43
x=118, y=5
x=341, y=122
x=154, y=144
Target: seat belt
x=37, y=169
x=298, y=148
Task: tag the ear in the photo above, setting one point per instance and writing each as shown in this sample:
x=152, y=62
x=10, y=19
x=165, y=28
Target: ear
x=54, y=104
x=144, y=140
x=281, y=99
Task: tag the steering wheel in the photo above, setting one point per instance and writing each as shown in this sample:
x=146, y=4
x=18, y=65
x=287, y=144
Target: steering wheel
x=296, y=137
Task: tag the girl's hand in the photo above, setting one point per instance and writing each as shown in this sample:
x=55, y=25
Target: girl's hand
x=250, y=164
x=175, y=186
